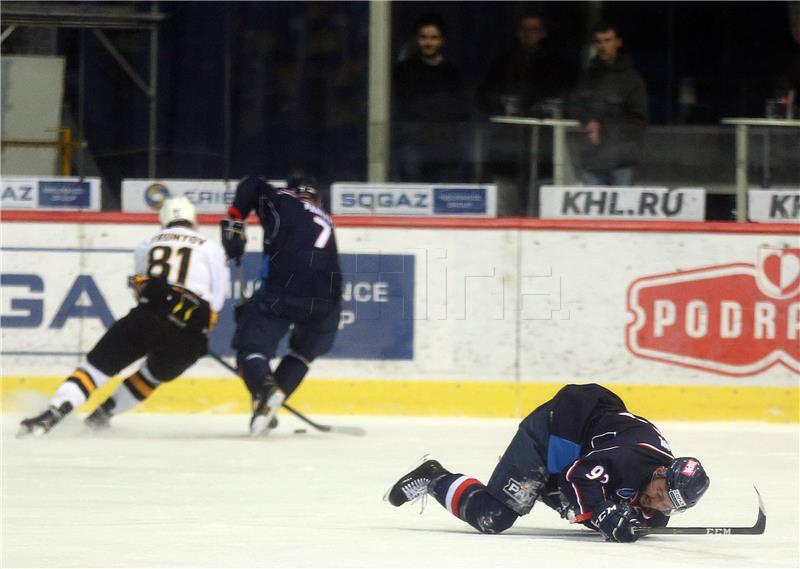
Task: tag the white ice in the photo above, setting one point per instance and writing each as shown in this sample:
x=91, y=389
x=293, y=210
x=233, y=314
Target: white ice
x=195, y=491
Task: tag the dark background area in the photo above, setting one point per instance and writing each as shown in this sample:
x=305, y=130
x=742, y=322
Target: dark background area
x=299, y=71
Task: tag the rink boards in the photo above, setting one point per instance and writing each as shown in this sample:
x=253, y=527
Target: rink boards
x=459, y=317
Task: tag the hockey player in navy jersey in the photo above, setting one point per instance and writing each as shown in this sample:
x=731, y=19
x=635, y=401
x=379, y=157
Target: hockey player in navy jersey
x=582, y=454
x=301, y=289
x=180, y=283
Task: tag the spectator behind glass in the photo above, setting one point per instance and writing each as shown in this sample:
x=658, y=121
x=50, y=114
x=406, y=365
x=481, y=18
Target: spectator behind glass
x=429, y=109
x=520, y=79
x=611, y=104
x=787, y=86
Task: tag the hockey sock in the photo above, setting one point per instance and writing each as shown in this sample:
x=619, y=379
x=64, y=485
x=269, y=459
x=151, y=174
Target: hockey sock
x=291, y=371
x=133, y=391
x=254, y=369
x=468, y=499
x=79, y=386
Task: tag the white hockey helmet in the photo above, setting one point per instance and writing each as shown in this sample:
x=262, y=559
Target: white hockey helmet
x=175, y=209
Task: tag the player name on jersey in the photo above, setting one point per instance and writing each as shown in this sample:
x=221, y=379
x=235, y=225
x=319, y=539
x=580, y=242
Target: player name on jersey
x=183, y=238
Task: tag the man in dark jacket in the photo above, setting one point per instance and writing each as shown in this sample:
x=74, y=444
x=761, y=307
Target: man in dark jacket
x=581, y=453
x=611, y=103
x=429, y=111
x=520, y=79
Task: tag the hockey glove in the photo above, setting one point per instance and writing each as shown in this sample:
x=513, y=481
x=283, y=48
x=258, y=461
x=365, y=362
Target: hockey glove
x=233, y=239
x=615, y=522
x=556, y=499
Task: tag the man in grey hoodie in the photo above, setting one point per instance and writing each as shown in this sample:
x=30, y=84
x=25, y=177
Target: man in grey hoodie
x=611, y=103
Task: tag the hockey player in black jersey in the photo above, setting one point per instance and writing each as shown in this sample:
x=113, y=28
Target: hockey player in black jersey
x=582, y=454
x=300, y=289
x=180, y=283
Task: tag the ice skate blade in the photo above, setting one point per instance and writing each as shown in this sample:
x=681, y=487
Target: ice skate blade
x=23, y=432
x=35, y=431
x=416, y=465
x=259, y=427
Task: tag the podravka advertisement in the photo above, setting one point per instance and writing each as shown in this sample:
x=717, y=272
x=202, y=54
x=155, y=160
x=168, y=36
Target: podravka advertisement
x=691, y=308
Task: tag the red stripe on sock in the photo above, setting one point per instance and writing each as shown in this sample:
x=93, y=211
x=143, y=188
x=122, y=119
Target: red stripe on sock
x=459, y=491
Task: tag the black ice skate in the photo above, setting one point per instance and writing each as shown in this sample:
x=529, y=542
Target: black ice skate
x=265, y=406
x=39, y=425
x=100, y=418
x=415, y=484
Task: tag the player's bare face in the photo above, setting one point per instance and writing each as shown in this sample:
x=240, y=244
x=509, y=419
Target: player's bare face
x=655, y=497
x=429, y=41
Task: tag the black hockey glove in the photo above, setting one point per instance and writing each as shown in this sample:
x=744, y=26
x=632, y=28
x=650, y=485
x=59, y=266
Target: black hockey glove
x=233, y=239
x=553, y=497
x=615, y=521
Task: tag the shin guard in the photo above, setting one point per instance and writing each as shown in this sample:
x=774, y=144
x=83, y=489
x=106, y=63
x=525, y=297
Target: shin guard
x=291, y=371
x=468, y=499
x=254, y=368
x=134, y=390
x=79, y=386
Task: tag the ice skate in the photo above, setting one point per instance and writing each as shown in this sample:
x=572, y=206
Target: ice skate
x=265, y=407
x=100, y=418
x=39, y=425
x=415, y=484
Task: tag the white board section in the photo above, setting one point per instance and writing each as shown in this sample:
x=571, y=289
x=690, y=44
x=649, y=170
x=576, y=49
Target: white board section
x=470, y=200
x=55, y=193
x=773, y=205
x=208, y=196
x=33, y=92
x=474, y=304
x=622, y=202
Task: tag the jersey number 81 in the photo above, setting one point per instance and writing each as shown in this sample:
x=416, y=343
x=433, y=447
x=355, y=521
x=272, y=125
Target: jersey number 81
x=158, y=263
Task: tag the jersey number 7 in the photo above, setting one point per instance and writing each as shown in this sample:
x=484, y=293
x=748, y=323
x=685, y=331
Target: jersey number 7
x=324, y=234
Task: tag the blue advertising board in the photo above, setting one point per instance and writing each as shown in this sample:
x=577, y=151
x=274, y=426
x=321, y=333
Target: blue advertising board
x=51, y=193
x=377, y=319
x=459, y=201
x=64, y=193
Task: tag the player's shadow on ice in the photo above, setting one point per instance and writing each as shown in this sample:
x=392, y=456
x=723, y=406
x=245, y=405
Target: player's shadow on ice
x=526, y=533
x=121, y=435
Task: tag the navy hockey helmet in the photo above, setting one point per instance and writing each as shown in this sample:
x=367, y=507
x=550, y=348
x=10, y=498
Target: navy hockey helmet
x=687, y=481
x=304, y=186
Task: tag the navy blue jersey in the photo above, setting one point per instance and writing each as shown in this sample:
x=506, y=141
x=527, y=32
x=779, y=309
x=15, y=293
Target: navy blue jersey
x=617, y=451
x=299, y=240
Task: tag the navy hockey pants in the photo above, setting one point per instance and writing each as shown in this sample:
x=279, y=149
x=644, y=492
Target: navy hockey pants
x=517, y=481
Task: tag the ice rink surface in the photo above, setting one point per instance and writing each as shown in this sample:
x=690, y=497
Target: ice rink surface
x=196, y=491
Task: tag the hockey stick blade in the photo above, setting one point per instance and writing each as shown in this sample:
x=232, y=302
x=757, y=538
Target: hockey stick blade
x=354, y=431
x=757, y=529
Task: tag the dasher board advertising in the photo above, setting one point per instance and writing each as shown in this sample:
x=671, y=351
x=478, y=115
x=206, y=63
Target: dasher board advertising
x=414, y=199
x=54, y=193
x=623, y=202
x=208, y=196
x=773, y=205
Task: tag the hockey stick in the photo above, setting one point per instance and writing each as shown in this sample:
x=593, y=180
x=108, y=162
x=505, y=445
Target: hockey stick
x=757, y=529
x=355, y=431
